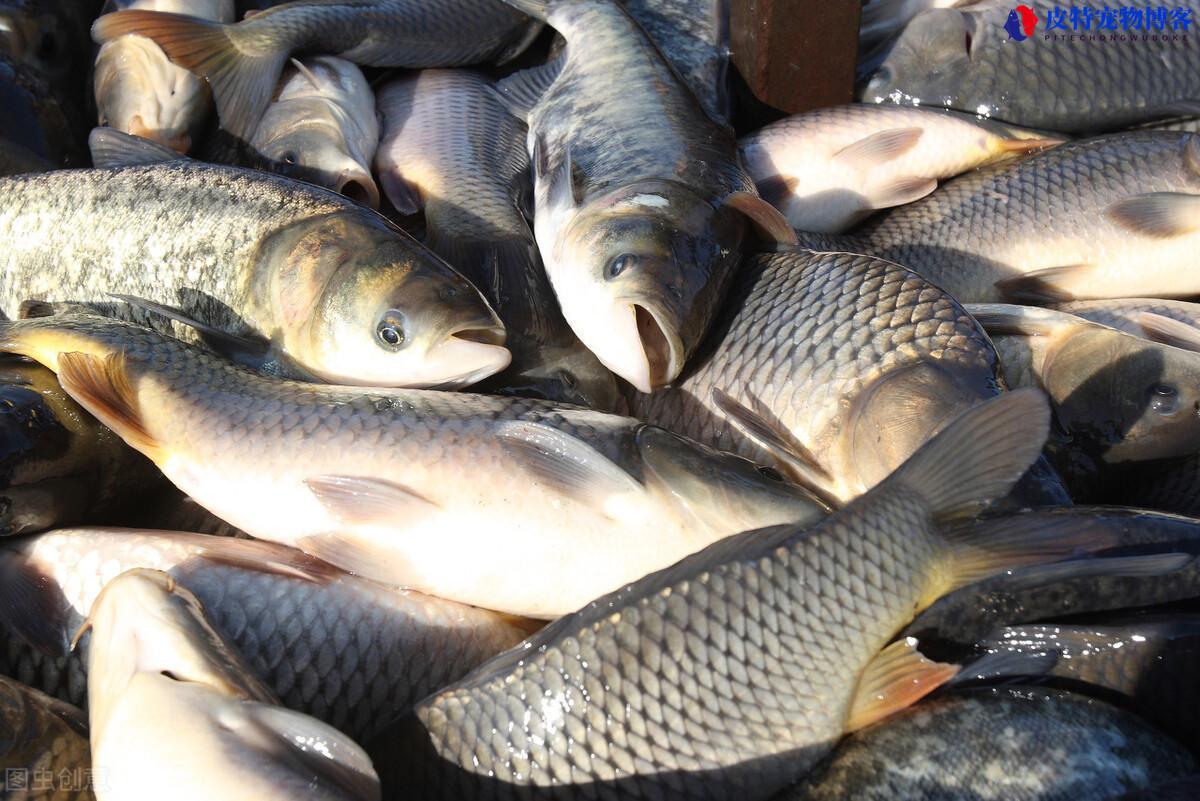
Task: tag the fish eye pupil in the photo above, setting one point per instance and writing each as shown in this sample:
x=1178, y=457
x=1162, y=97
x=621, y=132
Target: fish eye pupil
x=620, y=264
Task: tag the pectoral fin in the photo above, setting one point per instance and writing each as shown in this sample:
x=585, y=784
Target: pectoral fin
x=895, y=679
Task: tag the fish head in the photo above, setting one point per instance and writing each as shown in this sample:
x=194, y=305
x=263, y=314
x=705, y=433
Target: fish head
x=1131, y=399
x=139, y=91
x=640, y=272
x=387, y=312
x=927, y=63
x=143, y=622
x=721, y=493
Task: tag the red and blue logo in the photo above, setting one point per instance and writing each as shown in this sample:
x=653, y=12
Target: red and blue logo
x=1021, y=22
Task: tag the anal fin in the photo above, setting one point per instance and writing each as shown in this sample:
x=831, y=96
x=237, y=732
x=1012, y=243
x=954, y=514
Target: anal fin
x=895, y=679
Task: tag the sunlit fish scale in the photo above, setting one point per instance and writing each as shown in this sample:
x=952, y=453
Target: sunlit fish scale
x=43, y=737
x=415, y=488
x=1112, y=217
x=453, y=150
x=1023, y=744
x=342, y=649
x=984, y=58
x=828, y=169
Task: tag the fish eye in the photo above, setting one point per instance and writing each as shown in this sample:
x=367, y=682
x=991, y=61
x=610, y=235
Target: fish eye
x=390, y=331
x=289, y=157
x=620, y=264
x=769, y=472
x=1164, y=399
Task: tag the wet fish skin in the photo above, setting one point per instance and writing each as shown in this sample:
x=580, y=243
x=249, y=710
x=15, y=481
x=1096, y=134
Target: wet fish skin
x=1099, y=218
x=451, y=147
x=313, y=276
x=40, y=735
x=1023, y=744
x=243, y=61
x=856, y=359
x=59, y=466
x=374, y=479
x=637, y=193
x=828, y=169
x=139, y=90
x=155, y=661
x=321, y=127
x=728, y=674
x=965, y=59
x=342, y=649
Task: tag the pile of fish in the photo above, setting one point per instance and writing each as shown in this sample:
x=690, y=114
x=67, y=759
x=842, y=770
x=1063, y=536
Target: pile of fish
x=449, y=399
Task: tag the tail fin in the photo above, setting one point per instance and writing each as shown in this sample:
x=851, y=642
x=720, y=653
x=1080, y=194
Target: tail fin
x=241, y=84
x=980, y=455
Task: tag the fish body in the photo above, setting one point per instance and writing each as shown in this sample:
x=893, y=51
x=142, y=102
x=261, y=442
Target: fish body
x=855, y=360
x=58, y=466
x=331, y=645
x=43, y=737
x=976, y=58
x=321, y=127
x=156, y=662
x=243, y=61
x=1020, y=744
x=140, y=91
x=826, y=170
x=729, y=674
x=637, y=193
x=451, y=148
x=417, y=488
x=1110, y=217
x=313, y=279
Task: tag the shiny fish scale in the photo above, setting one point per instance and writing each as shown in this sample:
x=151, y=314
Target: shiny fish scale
x=993, y=224
x=348, y=652
x=806, y=333
x=660, y=694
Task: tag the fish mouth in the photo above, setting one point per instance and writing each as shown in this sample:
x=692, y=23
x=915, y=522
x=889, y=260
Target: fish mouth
x=466, y=357
x=359, y=187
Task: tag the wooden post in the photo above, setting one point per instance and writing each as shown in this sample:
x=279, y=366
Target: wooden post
x=796, y=55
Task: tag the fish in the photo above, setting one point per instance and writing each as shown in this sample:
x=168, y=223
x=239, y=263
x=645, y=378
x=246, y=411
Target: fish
x=1013, y=743
x=1146, y=663
x=155, y=662
x=1119, y=398
x=988, y=59
x=639, y=200
x=35, y=119
x=321, y=127
x=414, y=488
x=284, y=275
x=1111, y=217
x=831, y=367
x=1145, y=564
x=827, y=170
x=58, y=466
x=730, y=673
x=339, y=648
x=452, y=150
x=43, y=737
x=243, y=61
x=139, y=90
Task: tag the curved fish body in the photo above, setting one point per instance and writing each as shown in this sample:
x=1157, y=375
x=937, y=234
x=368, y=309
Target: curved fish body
x=43, y=736
x=975, y=58
x=1112, y=217
x=155, y=662
x=694, y=38
x=58, y=466
x=729, y=674
x=1143, y=567
x=1117, y=396
x=638, y=193
x=141, y=92
x=853, y=361
x=416, y=488
x=243, y=61
x=452, y=149
x=827, y=170
x=321, y=127
x=1018, y=744
x=308, y=280
x=342, y=649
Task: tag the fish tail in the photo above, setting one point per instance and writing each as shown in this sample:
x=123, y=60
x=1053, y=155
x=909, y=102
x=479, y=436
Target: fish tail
x=241, y=83
x=101, y=385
